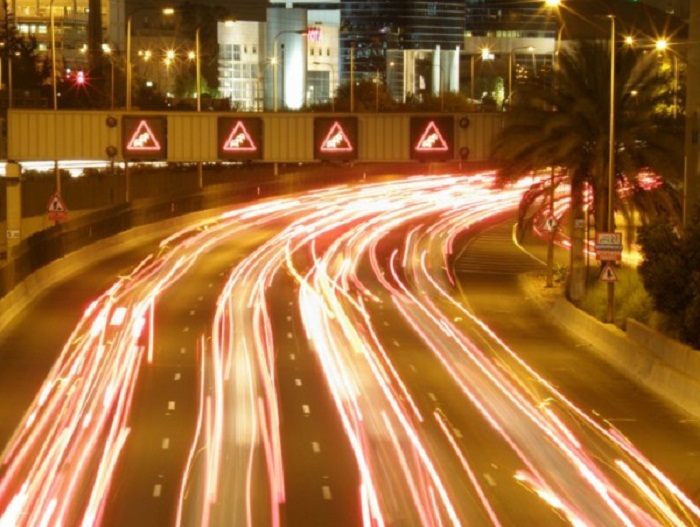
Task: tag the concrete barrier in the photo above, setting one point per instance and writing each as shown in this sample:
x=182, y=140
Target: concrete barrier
x=663, y=365
x=29, y=289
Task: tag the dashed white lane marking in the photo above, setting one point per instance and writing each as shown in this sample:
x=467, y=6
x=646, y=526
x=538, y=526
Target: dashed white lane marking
x=183, y=350
x=192, y=312
x=157, y=489
x=185, y=329
x=413, y=368
x=432, y=397
x=171, y=405
x=326, y=491
x=297, y=382
x=396, y=343
x=292, y=356
x=200, y=298
x=315, y=446
x=211, y=285
x=305, y=408
x=165, y=444
x=457, y=433
x=290, y=303
x=289, y=318
x=386, y=323
x=290, y=336
x=178, y=376
x=489, y=479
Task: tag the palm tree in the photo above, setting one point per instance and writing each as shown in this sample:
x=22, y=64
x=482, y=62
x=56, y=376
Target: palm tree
x=567, y=125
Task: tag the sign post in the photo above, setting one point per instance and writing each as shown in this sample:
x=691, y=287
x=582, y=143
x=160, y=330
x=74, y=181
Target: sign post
x=608, y=249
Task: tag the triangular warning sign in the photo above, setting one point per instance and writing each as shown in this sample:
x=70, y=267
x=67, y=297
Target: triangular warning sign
x=239, y=140
x=550, y=224
x=143, y=139
x=336, y=140
x=56, y=204
x=608, y=273
x=432, y=140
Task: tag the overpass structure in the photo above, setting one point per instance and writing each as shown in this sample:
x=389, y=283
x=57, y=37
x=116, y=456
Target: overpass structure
x=44, y=135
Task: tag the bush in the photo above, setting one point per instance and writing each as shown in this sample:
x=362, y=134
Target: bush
x=631, y=299
x=670, y=272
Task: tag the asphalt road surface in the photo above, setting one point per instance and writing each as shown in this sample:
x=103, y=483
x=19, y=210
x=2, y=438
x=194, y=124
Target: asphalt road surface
x=313, y=361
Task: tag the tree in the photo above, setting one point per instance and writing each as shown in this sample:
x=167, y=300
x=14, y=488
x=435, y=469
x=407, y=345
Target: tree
x=567, y=125
x=670, y=272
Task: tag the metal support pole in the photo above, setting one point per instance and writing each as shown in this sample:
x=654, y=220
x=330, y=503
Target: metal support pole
x=128, y=65
x=198, y=66
x=352, y=78
x=611, y=163
x=53, y=56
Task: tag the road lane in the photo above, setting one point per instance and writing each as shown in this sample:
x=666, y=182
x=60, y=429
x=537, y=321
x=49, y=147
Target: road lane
x=456, y=430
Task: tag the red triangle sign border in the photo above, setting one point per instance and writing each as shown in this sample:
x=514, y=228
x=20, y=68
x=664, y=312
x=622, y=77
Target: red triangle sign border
x=336, y=135
x=430, y=136
x=238, y=129
x=134, y=143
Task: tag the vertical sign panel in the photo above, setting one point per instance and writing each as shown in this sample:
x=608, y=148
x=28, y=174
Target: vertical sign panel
x=432, y=138
x=335, y=139
x=240, y=139
x=145, y=138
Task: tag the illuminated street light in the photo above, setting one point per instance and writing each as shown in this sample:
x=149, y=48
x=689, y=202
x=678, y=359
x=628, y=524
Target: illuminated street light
x=275, y=60
x=107, y=50
x=531, y=49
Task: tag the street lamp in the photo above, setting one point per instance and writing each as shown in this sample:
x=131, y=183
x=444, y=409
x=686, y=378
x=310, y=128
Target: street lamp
x=107, y=50
x=275, y=60
x=53, y=56
x=611, y=162
x=662, y=45
x=510, y=66
x=165, y=11
x=331, y=89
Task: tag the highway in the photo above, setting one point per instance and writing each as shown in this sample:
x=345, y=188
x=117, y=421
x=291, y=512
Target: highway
x=314, y=360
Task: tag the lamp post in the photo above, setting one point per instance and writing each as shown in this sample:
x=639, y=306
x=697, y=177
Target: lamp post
x=331, y=90
x=107, y=50
x=662, y=46
x=198, y=68
x=611, y=162
x=165, y=11
x=275, y=60
x=57, y=173
x=128, y=63
x=53, y=55
x=510, y=67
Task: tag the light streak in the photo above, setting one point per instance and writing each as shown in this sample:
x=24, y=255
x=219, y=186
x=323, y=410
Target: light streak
x=334, y=243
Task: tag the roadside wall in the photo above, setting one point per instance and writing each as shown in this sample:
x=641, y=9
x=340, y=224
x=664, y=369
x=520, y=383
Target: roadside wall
x=663, y=365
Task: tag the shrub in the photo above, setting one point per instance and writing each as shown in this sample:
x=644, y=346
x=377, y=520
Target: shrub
x=671, y=274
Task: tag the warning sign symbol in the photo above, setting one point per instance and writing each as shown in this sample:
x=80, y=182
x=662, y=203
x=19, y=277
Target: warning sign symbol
x=336, y=140
x=239, y=140
x=143, y=139
x=608, y=273
x=56, y=208
x=432, y=140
